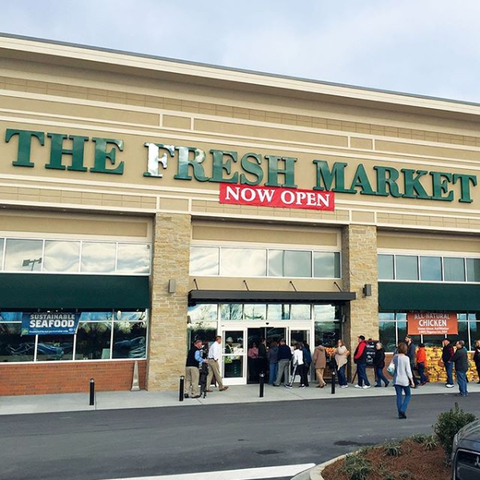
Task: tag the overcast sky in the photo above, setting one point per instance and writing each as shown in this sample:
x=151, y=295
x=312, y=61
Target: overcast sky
x=428, y=47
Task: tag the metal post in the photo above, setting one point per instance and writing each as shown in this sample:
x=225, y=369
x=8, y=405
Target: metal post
x=262, y=384
x=334, y=374
x=182, y=385
x=92, y=392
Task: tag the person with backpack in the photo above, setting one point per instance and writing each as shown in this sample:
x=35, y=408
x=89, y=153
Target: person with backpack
x=360, y=358
x=320, y=361
x=379, y=365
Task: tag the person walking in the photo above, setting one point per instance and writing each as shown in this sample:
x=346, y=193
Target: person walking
x=447, y=356
x=402, y=379
x=272, y=357
x=341, y=354
x=320, y=362
x=422, y=363
x=360, y=358
x=411, y=354
x=284, y=355
x=307, y=361
x=192, y=372
x=214, y=358
x=298, y=366
x=476, y=358
x=379, y=365
x=460, y=359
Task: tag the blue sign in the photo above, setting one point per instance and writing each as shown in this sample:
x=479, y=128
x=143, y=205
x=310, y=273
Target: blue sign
x=50, y=323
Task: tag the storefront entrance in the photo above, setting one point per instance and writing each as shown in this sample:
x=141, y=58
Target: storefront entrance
x=242, y=358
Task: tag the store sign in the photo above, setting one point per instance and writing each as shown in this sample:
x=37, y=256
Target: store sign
x=276, y=197
x=67, y=153
x=50, y=323
x=432, y=323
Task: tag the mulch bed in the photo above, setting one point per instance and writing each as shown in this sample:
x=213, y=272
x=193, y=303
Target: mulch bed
x=415, y=462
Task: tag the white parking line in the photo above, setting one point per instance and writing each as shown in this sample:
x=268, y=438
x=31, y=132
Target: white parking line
x=243, y=474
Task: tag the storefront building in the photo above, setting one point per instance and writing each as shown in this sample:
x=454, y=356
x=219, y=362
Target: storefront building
x=146, y=202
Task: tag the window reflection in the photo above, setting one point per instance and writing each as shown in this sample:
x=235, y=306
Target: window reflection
x=23, y=255
x=61, y=256
x=326, y=264
x=2, y=242
x=54, y=347
x=327, y=332
x=203, y=313
x=454, y=269
x=129, y=340
x=385, y=267
x=289, y=263
x=473, y=269
x=255, y=311
x=204, y=261
x=14, y=347
x=407, y=268
x=431, y=268
x=278, y=311
x=324, y=313
x=237, y=262
x=231, y=311
x=98, y=257
x=93, y=341
x=300, y=312
x=133, y=258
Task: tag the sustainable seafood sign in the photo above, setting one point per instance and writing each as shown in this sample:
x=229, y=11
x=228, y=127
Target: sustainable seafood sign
x=432, y=323
x=276, y=197
x=50, y=323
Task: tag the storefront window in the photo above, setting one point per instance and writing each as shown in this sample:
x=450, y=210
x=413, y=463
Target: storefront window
x=61, y=256
x=203, y=313
x=54, y=347
x=13, y=346
x=231, y=311
x=300, y=312
x=327, y=332
x=406, y=267
x=93, y=341
x=385, y=267
x=326, y=265
x=462, y=334
x=289, y=263
x=2, y=242
x=240, y=262
x=388, y=335
x=431, y=268
x=129, y=339
x=473, y=269
x=327, y=312
x=133, y=258
x=204, y=261
x=23, y=255
x=98, y=257
x=454, y=269
x=278, y=311
x=255, y=311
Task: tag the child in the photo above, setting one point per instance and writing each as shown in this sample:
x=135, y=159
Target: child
x=422, y=363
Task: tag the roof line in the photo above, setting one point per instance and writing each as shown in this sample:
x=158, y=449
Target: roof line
x=233, y=69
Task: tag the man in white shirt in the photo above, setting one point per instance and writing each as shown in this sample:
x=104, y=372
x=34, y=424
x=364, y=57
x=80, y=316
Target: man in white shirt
x=214, y=358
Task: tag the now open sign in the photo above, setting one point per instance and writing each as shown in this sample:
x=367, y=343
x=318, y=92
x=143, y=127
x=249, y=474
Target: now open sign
x=261, y=196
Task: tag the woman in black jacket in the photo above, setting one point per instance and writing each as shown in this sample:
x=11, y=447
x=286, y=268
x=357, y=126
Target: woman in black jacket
x=476, y=358
x=379, y=365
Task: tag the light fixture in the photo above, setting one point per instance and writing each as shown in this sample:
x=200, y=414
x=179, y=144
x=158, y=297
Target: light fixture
x=172, y=286
x=367, y=290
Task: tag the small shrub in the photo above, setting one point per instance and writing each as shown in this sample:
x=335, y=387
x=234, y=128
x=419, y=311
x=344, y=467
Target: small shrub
x=430, y=442
x=419, y=438
x=448, y=424
x=357, y=467
x=392, y=449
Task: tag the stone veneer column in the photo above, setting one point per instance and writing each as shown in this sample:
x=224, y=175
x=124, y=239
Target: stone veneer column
x=359, y=246
x=168, y=324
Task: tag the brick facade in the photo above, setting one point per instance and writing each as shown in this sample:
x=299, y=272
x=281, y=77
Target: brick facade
x=69, y=377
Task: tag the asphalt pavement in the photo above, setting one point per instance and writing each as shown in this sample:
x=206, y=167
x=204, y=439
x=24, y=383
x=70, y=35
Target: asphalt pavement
x=114, y=444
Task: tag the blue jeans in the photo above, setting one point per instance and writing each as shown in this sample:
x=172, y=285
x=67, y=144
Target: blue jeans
x=272, y=373
x=342, y=378
x=402, y=403
x=381, y=377
x=449, y=370
x=462, y=383
x=421, y=372
x=362, y=374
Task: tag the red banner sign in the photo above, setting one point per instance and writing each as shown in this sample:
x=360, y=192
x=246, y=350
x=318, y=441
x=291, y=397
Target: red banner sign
x=432, y=323
x=276, y=197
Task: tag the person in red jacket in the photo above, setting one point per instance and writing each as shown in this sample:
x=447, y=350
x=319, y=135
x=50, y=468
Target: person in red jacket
x=422, y=363
x=360, y=358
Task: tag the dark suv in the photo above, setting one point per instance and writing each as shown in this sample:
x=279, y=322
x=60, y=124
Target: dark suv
x=466, y=453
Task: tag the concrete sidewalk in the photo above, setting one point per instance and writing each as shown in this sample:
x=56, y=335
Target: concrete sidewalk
x=235, y=394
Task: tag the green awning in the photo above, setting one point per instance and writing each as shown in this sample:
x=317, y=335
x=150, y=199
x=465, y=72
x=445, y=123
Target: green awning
x=87, y=292
x=448, y=297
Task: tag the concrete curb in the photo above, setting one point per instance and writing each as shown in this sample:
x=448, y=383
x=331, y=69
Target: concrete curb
x=315, y=473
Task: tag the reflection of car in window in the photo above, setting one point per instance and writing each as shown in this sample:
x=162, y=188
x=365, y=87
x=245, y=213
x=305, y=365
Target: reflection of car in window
x=22, y=349
x=50, y=351
x=466, y=453
x=134, y=348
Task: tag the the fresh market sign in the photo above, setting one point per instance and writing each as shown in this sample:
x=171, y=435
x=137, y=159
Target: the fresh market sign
x=50, y=323
x=252, y=169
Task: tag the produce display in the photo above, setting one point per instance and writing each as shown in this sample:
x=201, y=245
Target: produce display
x=436, y=372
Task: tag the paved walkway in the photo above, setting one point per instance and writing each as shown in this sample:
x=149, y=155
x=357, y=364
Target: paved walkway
x=235, y=394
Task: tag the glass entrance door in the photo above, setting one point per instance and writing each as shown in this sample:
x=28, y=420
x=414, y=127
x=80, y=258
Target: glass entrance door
x=234, y=367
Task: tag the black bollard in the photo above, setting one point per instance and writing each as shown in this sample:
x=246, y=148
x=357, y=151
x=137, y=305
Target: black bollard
x=182, y=385
x=334, y=374
x=262, y=384
x=92, y=392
